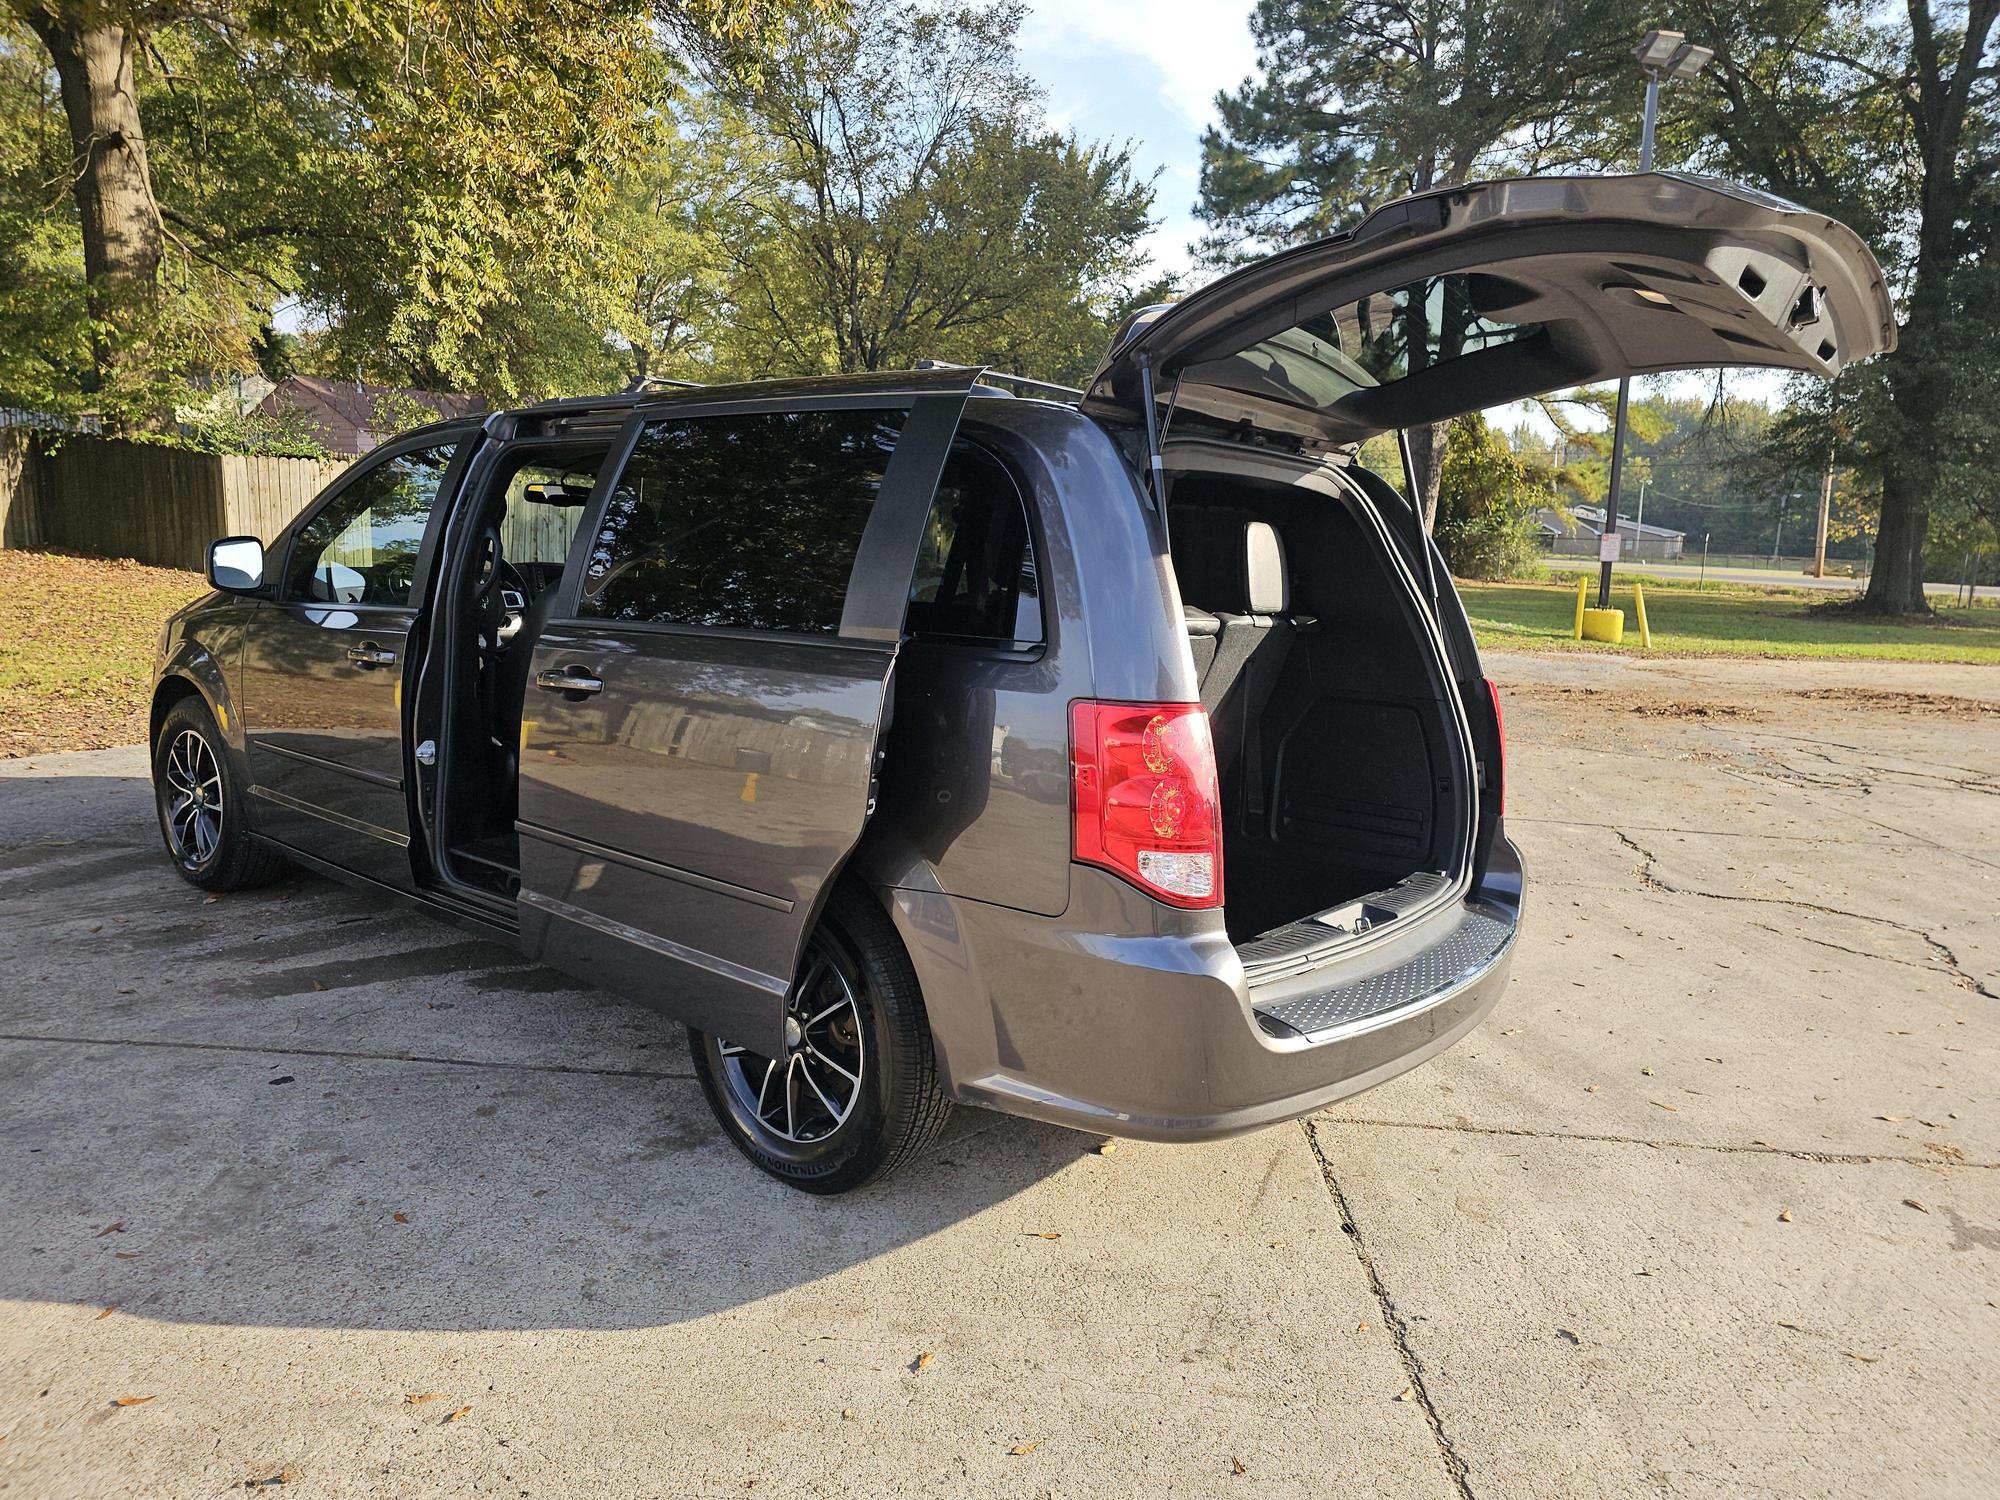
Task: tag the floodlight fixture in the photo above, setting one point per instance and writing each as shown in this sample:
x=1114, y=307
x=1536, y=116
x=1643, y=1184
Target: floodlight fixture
x=1658, y=49
x=1690, y=60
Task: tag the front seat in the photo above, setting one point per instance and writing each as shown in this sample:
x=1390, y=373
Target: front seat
x=1250, y=652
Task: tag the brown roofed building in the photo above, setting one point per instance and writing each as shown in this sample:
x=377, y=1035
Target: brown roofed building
x=350, y=418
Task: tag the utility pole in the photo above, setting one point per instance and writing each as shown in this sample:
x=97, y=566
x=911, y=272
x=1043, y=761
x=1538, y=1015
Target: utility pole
x=1666, y=54
x=1825, y=505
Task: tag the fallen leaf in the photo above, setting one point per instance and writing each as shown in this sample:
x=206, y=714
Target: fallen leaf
x=922, y=1362
x=1511, y=1031
x=1407, y=1393
x=118, y=1228
x=1022, y=1450
x=1784, y=1216
x=1669, y=1108
x=109, y=1309
x=1866, y=1359
x=286, y=1079
x=453, y=1417
x=1236, y=1466
x=1912, y=1203
x=1277, y=1244
x=402, y=1218
x=131, y=1400
x=1041, y=1234
x=1590, y=1088
x=1107, y=1148
x=1893, y=1119
x=1570, y=1334
x=1362, y=1326
x=318, y=986
x=1647, y=1071
x=847, y=1414
x=125, y=1254
x=422, y=1396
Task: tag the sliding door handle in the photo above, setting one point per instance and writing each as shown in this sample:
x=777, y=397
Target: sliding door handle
x=568, y=680
x=368, y=654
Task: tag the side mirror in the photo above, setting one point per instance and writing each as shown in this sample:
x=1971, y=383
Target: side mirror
x=236, y=564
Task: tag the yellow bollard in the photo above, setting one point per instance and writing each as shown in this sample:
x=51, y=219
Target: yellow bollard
x=1645, y=630
x=1607, y=625
x=1582, y=587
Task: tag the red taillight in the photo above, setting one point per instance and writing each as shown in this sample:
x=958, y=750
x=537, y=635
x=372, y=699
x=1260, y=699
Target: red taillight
x=1499, y=776
x=1144, y=798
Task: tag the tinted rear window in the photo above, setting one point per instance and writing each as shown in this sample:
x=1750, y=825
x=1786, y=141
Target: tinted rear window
x=750, y=521
x=975, y=577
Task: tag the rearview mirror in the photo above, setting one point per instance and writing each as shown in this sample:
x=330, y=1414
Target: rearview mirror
x=236, y=564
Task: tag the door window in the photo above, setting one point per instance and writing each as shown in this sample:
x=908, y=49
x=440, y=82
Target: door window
x=749, y=521
x=975, y=577
x=361, y=548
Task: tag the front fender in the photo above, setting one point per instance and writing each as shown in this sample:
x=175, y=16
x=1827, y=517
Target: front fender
x=198, y=654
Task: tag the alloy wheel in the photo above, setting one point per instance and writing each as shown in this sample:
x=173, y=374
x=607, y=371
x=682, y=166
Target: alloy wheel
x=804, y=1096
x=194, y=799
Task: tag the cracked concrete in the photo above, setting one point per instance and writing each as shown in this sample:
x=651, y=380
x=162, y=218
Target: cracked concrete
x=1709, y=1207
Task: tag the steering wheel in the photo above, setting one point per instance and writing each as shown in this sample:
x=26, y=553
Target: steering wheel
x=496, y=575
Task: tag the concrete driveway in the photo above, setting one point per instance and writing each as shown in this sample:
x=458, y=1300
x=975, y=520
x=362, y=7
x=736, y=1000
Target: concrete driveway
x=1711, y=1207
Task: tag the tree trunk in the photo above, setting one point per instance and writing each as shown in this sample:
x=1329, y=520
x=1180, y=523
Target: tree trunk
x=1896, y=581
x=1427, y=464
x=113, y=188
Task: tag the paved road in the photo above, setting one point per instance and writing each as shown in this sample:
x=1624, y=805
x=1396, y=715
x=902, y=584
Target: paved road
x=345, y=1174
x=1765, y=577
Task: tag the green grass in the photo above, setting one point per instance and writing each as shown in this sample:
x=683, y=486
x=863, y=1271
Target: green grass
x=76, y=648
x=1728, y=622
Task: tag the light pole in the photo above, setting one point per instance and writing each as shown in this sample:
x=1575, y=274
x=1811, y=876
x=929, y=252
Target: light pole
x=1663, y=54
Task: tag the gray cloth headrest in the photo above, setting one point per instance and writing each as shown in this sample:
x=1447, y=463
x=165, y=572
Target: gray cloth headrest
x=1264, y=579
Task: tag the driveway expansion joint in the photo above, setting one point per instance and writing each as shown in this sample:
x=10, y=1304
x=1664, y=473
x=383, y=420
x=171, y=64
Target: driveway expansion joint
x=1794, y=1153
x=1392, y=1319
x=648, y=1074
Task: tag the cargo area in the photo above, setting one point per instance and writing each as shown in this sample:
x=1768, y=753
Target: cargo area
x=1339, y=748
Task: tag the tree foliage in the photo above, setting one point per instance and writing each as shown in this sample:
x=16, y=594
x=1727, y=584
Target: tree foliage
x=1489, y=495
x=893, y=193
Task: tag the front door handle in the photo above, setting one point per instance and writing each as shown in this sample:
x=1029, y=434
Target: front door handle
x=368, y=654
x=568, y=680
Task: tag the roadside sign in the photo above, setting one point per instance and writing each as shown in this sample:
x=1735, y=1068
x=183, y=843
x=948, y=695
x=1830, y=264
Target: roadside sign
x=1607, y=547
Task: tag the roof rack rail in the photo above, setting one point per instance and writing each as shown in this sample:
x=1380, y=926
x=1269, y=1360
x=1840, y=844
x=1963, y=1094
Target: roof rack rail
x=648, y=382
x=986, y=372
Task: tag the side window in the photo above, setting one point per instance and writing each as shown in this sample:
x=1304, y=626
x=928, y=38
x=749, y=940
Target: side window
x=544, y=503
x=362, y=546
x=749, y=521
x=1382, y=455
x=975, y=577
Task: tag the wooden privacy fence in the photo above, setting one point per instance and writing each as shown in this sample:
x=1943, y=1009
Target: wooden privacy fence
x=111, y=498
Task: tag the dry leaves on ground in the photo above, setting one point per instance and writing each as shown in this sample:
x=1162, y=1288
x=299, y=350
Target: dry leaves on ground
x=1022, y=1450
x=454, y=1416
x=131, y=1400
x=922, y=1362
x=422, y=1396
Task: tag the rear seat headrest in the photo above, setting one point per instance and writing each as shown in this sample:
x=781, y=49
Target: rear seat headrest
x=1265, y=585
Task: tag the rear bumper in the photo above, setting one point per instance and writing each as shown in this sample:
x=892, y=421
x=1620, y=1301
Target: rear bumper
x=1127, y=1018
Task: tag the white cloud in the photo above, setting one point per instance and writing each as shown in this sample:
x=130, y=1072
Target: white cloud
x=1189, y=49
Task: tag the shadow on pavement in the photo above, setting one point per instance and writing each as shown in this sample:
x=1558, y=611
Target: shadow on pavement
x=295, y=1107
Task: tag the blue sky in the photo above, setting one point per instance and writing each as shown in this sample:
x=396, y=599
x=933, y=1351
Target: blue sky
x=1144, y=72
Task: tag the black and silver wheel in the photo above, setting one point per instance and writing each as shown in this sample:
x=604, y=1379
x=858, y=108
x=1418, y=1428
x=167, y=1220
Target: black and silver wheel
x=854, y=1092
x=200, y=805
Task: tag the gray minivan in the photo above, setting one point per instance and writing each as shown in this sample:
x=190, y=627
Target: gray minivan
x=1121, y=760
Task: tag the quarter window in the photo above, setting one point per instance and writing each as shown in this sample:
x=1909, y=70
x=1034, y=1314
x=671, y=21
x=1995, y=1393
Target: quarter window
x=361, y=548
x=975, y=577
x=748, y=521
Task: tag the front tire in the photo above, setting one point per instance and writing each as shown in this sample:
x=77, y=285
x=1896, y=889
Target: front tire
x=199, y=799
x=856, y=1094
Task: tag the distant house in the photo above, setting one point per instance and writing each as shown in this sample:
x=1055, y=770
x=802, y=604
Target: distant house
x=348, y=417
x=1578, y=536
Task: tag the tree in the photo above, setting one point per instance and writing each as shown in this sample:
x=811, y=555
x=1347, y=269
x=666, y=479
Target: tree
x=1362, y=101
x=423, y=173
x=1489, y=495
x=1888, y=121
x=912, y=203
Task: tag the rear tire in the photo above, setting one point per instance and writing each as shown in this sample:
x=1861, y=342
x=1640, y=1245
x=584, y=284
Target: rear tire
x=200, y=801
x=855, y=1013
